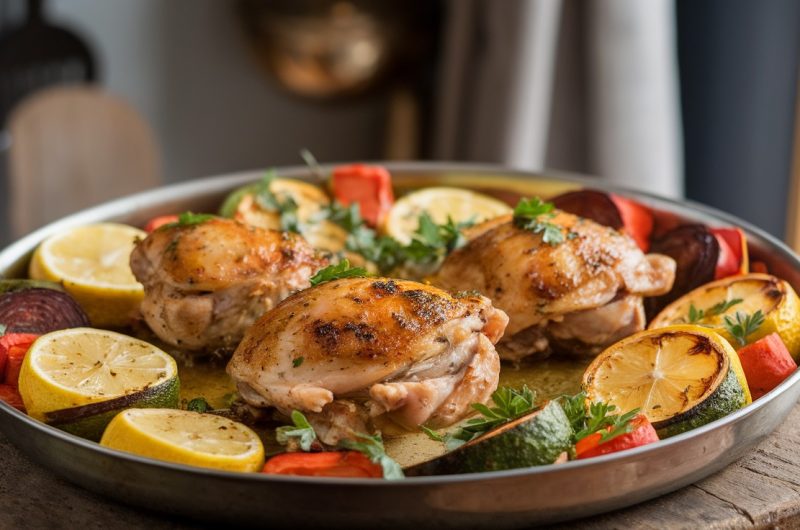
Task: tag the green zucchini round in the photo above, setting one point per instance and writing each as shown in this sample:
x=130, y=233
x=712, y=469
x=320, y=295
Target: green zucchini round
x=535, y=439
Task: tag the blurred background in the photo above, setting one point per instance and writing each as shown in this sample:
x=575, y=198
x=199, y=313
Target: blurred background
x=686, y=98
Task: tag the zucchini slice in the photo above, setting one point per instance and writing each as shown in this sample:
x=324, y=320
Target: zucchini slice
x=535, y=439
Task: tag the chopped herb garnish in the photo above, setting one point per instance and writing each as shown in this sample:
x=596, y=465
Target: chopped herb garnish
x=597, y=418
x=3, y=329
x=509, y=404
x=698, y=315
x=372, y=448
x=285, y=206
x=297, y=361
x=198, y=404
x=300, y=434
x=430, y=243
x=189, y=219
x=533, y=214
x=742, y=325
x=433, y=435
x=338, y=271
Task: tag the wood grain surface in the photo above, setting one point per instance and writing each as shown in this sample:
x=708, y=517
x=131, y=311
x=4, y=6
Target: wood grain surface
x=762, y=490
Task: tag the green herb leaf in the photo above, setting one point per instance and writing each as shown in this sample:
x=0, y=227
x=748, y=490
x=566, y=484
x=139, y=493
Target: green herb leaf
x=598, y=417
x=3, y=329
x=742, y=325
x=189, y=219
x=269, y=201
x=509, y=404
x=372, y=448
x=198, y=404
x=433, y=435
x=533, y=214
x=297, y=361
x=698, y=315
x=335, y=272
x=300, y=432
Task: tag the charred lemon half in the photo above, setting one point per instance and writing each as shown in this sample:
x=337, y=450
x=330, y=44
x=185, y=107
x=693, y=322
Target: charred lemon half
x=680, y=377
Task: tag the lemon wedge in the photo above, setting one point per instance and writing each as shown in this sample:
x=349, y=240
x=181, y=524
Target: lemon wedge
x=747, y=294
x=680, y=377
x=78, y=379
x=92, y=262
x=185, y=437
x=458, y=204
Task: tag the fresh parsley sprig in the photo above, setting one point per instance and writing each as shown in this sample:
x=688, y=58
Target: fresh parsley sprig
x=534, y=214
x=337, y=271
x=742, y=325
x=509, y=404
x=698, y=315
x=286, y=207
x=372, y=447
x=598, y=417
x=430, y=243
x=188, y=219
x=300, y=434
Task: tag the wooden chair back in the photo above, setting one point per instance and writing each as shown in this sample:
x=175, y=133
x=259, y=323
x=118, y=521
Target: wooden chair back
x=72, y=147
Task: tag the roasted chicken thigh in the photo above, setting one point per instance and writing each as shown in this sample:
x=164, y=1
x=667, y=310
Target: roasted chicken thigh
x=206, y=283
x=577, y=295
x=360, y=348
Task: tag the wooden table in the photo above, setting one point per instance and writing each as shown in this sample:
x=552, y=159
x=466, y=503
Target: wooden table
x=760, y=490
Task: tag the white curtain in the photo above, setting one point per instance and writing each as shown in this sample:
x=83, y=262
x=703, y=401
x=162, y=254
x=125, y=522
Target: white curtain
x=564, y=84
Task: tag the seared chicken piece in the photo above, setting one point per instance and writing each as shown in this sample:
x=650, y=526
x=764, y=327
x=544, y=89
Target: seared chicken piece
x=397, y=349
x=578, y=295
x=206, y=283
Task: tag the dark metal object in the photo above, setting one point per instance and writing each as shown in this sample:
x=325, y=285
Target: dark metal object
x=500, y=499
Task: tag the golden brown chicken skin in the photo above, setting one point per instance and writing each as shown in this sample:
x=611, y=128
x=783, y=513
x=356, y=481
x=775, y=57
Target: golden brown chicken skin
x=578, y=295
x=373, y=347
x=206, y=283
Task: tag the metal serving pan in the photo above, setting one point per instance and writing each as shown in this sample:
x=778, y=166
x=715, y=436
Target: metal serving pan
x=522, y=497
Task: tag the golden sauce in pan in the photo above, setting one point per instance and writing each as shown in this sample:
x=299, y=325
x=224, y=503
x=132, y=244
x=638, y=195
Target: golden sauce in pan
x=548, y=378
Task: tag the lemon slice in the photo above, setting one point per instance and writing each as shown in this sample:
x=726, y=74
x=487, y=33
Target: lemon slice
x=92, y=262
x=440, y=203
x=774, y=297
x=185, y=437
x=77, y=379
x=680, y=377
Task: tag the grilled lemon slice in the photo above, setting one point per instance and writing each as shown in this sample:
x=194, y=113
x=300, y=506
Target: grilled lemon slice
x=92, y=262
x=680, y=377
x=440, y=203
x=78, y=379
x=774, y=297
x=186, y=437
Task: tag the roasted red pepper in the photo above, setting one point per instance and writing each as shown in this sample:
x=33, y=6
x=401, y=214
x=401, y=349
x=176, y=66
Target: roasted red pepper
x=10, y=395
x=157, y=222
x=766, y=363
x=733, y=256
x=637, y=220
x=369, y=186
x=14, y=346
x=327, y=464
x=642, y=433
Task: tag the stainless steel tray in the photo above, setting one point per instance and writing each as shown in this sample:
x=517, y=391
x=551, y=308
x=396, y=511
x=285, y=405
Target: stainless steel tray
x=521, y=497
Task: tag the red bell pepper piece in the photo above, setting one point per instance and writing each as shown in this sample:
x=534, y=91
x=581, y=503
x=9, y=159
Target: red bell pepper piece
x=157, y=222
x=327, y=464
x=766, y=363
x=368, y=186
x=643, y=433
x=14, y=346
x=733, y=256
x=10, y=395
x=637, y=220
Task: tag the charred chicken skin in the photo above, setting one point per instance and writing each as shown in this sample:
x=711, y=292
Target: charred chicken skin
x=359, y=348
x=578, y=295
x=206, y=283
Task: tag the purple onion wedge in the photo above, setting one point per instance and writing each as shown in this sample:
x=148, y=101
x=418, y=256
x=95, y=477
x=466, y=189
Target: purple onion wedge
x=40, y=311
